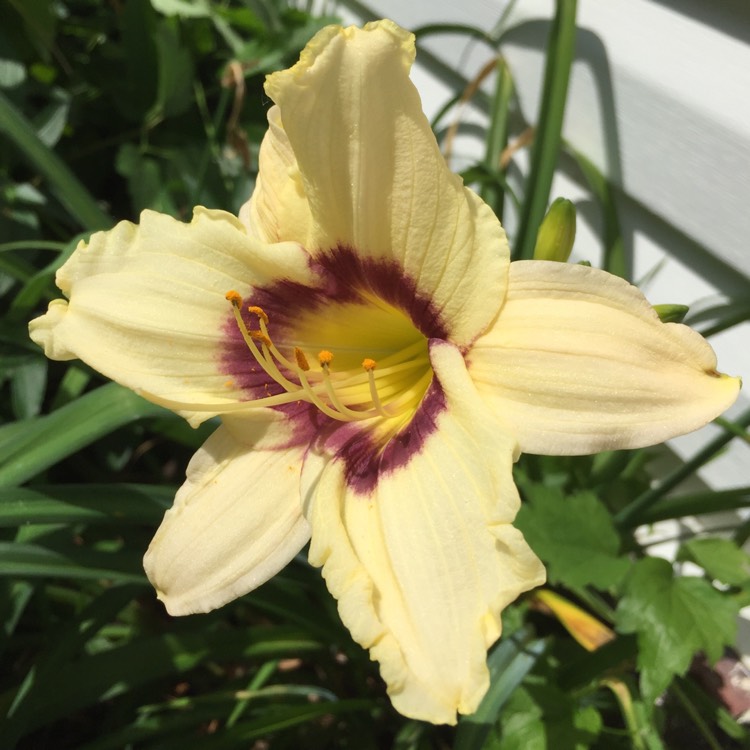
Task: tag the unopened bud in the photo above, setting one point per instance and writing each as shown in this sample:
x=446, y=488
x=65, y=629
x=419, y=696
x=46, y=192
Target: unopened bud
x=671, y=313
x=557, y=232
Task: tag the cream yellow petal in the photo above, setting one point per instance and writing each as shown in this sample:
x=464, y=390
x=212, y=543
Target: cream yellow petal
x=423, y=565
x=147, y=307
x=579, y=362
x=375, y=180
x=278, y=209
x=234, y=524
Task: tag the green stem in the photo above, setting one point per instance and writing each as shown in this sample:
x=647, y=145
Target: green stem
x=213, y=147
x=629, y=517
x=497, y=136
x=561, y=50
x=696, y=504
x=615, y=257
x=696, y=718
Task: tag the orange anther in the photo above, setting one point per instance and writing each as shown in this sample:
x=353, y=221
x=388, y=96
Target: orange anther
x=234, y=297
x=260, y=336
x=325, y=358
x=369, y=364
x=259, y=311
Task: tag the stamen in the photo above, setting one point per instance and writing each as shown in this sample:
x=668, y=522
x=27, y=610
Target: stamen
x=260, y=336
x=261, y=357
x=333, y=396
x=302, y=362
x=234, y=297
x=259, y=311
x=340, y=415
x=340, y=395
x=272, y=348
x=370, y=365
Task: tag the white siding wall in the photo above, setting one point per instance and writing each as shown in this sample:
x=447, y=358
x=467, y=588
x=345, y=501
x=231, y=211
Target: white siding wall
x=660, y=101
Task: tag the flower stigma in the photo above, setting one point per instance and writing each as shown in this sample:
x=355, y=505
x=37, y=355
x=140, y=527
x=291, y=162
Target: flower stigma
x=389, y=388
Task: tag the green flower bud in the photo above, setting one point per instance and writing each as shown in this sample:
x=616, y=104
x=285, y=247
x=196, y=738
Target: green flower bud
x=671, y=313
x=557, y=232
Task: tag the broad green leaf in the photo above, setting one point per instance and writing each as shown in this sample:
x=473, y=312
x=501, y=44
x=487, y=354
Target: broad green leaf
x=32, y=445
x=14, y=596
x=106, y=675
x=117, y=504
x=574, y=536
x=39, y=20
x=69, y=641
x=509, y=663
x=674, y=619
x=69, y=190
x=722, y=559
x=541, y=717
x=136, y=92
x=174, y=92
x=33, y=561
x=146, y=182
x=521, y=726
x=28, y=383
x=189, y=718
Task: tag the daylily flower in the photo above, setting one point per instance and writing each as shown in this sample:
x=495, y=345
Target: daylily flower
x=377, y=364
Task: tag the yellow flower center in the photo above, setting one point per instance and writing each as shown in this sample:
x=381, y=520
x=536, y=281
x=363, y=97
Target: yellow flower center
x=372, y=361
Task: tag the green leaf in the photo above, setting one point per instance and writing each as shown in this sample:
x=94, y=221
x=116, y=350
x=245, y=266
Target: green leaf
x=674, y=619
x=136, y=92
x=631, y=516
x=174, y=92
x=497, y=135
x=721, y=317
x=696, y=504
x=28, y=384
x=29, y=446
x=146, y=183
x=33, y=561
x=50, y=122
x=574, y=536
x=69, y=190
x=453, y=28
x=509, y=663
x=106, y=675
x=615, y=257
x=39, y=19
x=722, y=559
x=118, y=504
x=542, y=717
